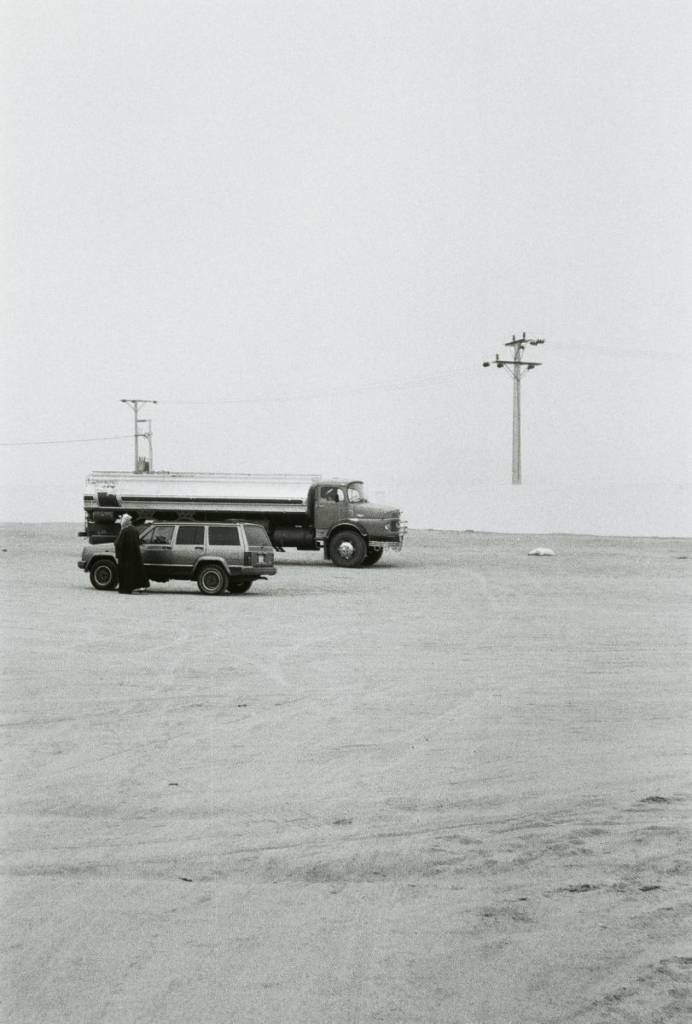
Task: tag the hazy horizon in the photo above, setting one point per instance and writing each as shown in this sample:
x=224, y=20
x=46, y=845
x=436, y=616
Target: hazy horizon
x=416, y=529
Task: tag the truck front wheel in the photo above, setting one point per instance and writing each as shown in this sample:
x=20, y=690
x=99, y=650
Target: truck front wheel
x=212, y=579
x=347, y=549
x=104, y=574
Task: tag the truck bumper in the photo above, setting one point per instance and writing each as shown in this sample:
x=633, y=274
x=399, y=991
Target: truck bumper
x=398, y=544
x=391, y=544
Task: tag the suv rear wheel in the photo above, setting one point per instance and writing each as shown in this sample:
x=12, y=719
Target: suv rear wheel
x=212, y=579
x=104, y=574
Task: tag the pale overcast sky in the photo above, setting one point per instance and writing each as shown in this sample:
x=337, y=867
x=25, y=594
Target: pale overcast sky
x=312, y=221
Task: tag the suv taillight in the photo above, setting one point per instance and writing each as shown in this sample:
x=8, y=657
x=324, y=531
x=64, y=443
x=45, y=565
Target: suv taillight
x=247, y=560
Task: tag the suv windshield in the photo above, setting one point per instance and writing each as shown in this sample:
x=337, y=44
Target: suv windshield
x=257, y=535
x=355, y=493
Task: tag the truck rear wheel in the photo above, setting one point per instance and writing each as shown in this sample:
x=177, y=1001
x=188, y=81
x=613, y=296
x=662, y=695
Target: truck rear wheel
x=239, y=586
x=347, y=549
x=211, y=579
x=373, y=555
x=104, y=574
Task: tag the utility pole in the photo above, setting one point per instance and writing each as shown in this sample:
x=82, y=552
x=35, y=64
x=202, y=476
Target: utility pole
x=517, y=368
x=141, y=465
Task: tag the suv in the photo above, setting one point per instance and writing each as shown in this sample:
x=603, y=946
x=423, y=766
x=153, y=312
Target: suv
x=218, y=556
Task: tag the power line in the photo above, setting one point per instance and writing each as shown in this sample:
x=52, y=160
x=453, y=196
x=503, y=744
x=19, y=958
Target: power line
x=72, y=440
x=424, y=382
x=402, y=385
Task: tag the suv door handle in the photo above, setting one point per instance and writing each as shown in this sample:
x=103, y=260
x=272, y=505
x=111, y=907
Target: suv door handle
x=199, y=547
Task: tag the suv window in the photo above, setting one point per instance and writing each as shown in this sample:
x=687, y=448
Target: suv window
x=256, y=535
x=160, y=535
x=224, y=536
x=190, y=535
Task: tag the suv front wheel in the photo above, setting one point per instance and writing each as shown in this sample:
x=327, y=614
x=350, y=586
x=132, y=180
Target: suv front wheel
x=104, y=574
x=212, y=579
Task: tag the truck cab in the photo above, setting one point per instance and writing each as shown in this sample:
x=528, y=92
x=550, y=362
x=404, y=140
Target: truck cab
x=353, y=531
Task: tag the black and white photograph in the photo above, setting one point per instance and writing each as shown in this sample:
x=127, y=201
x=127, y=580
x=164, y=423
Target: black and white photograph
x=345, y=679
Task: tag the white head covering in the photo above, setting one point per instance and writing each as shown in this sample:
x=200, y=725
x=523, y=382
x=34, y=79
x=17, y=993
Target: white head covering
x=125, y=520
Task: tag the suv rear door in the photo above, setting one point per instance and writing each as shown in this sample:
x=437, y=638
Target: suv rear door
x=226, y=542
x=188, y=546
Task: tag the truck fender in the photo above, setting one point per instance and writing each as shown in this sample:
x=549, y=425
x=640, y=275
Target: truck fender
x=345, y=525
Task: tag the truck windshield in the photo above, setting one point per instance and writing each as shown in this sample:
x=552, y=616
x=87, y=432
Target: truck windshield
x=355, y=493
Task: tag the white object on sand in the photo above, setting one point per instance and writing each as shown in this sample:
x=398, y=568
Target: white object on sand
x=542, y=551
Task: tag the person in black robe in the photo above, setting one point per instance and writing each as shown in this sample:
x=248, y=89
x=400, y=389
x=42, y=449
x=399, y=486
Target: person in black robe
x=131, y=574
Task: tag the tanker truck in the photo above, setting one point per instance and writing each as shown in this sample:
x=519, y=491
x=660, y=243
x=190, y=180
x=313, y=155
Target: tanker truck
x=308, y=513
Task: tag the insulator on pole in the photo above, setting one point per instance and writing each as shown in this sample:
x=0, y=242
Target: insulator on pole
x=516, y=368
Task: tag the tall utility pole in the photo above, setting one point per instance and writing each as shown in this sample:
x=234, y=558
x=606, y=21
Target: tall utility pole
x=516, y=368
x=142, y=465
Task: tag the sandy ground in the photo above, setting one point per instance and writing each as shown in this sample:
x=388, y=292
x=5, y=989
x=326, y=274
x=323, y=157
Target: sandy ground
x=450, y=789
